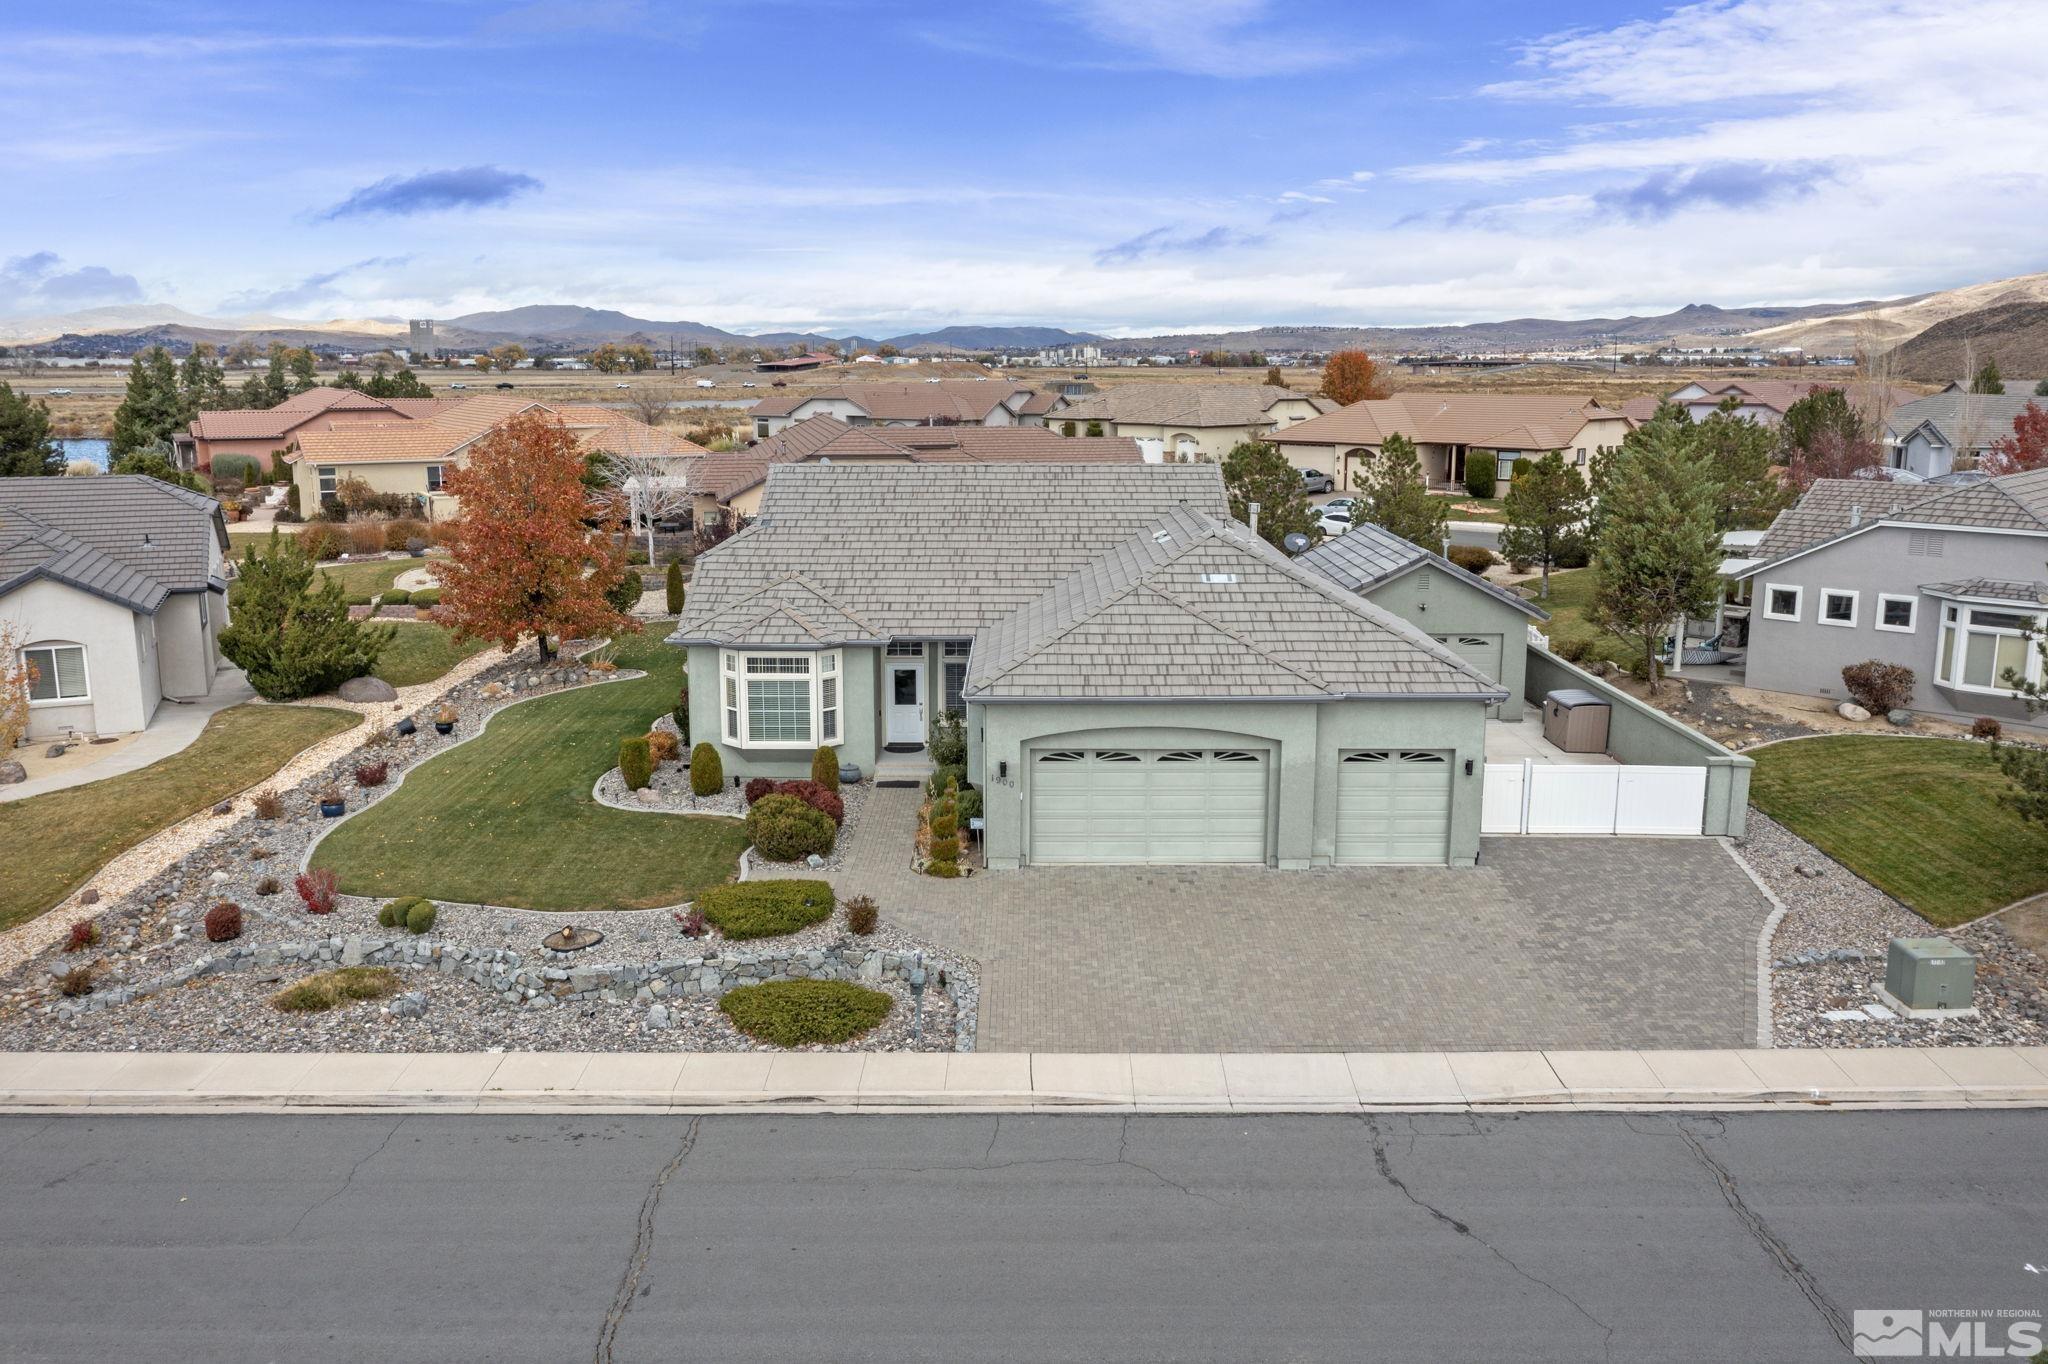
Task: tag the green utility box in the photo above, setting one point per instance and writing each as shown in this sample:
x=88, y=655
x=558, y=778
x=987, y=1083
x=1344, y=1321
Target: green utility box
x=1929, y=973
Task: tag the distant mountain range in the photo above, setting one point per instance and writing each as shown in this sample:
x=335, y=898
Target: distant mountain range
x=2015, y=335
x=1821, y=327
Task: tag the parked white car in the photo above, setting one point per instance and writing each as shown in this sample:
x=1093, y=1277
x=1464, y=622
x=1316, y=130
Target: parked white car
x=1334, y=520
x=706, y=383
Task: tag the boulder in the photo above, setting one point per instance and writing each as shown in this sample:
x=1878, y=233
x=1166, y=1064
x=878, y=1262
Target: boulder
x=1903, y=719
x=657, y=1017
x=366, y=689
x=647, y=795
x=1849, y=710
x=56, y=750
x=12, y=772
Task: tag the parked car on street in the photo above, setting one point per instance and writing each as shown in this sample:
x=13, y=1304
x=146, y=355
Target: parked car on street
x=707, y=383
x=1316, y=481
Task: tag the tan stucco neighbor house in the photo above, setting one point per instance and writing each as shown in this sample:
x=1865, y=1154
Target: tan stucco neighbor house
x=934, y=402
x=413, y=457
x=1141, y=679
x=117, y=591
x=261, y=432
x=1447, y=426
x=1190, y=422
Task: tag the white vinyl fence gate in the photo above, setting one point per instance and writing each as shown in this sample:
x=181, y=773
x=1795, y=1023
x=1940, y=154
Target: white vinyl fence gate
x=1545, y=798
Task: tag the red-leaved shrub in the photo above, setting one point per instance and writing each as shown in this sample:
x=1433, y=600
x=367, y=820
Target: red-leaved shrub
x=372, y=774
x=1878, y=686
x=758, y=787
x=316, y=888
x=224, y=921
x=84, y=933
x=815, y=796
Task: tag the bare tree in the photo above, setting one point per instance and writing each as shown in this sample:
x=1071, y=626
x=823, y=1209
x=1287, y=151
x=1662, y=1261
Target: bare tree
x=648, y=488
x=1876, y=368
x=650, y=405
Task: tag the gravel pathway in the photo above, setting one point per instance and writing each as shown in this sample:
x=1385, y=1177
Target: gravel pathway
x=1829, y=951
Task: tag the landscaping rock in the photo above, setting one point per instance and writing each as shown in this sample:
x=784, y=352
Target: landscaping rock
x=367, y=689
x=657, y=1018
x=12, y=772
x=56, y=750
x=1849, y=710
x=88, y=896
x=411, y=1004
x=1902, y=718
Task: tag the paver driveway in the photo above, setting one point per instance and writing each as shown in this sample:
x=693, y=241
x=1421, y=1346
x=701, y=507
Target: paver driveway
x=1557, y=943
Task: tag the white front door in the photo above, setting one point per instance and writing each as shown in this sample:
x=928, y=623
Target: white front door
x=905, y=719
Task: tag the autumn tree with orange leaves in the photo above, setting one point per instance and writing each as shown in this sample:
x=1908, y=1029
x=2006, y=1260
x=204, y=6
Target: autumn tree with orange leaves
x=2024, y=448
x=1352, y=377
x=533, y=554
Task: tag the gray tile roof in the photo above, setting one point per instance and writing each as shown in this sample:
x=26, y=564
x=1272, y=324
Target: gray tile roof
x=1197, y=607
x=927, y=550
x=1369, y=554
x=1195, y=405
x=128, y=538
x=1967, y=421
x=1835, y=507
x=1993, y=589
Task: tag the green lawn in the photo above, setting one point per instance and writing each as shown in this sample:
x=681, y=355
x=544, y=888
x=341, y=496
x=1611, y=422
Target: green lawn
x=1477, y=509
x=507, y=818
x=54, y=843
x=421, y=652
x=1918, y=818
x=366, y=578
x=1570, y=606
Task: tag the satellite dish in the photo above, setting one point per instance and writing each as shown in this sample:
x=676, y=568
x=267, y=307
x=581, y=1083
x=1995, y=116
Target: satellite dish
x=1295, y=542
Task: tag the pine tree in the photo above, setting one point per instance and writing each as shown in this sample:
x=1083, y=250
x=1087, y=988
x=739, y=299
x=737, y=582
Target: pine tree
x=277, y=386
x=289, y=640
x=1397, y=498
x=1254, y=471
x=1546, y=507
x=26, y=449
x=1658, y=556
x=1988, y=379
x=303, y=374
x=153, y=407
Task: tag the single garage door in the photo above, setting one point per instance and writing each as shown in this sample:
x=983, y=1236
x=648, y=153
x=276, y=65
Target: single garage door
x=1140, y=805
x=1394, y=805
x=1481, y=651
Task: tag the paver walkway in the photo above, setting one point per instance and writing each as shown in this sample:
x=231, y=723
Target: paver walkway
x=1550, y=943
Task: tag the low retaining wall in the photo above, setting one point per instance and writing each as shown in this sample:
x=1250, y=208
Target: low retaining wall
x=1641, y=735
x=501, y=971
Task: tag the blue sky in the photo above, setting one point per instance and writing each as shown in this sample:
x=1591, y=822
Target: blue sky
x=1113, y=165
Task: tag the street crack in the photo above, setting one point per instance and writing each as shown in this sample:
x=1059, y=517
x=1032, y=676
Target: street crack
x=346, y=1179
x=1464, y=1229
x=643, y=1247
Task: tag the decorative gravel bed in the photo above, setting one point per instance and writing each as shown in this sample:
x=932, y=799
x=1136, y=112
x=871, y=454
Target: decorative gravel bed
x=1829, y=951
x=156, y=929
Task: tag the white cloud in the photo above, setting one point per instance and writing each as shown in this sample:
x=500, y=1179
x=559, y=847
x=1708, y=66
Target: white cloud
x=1223, y=38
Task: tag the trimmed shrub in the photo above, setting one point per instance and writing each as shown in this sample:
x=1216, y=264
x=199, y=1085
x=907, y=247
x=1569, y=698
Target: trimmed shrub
x=372, y=774
x=267, y=805
x=427, y=596
x=1572, y=648
x=401, y=533
x=825, y=767
x=1574, y=551
x=796, y=1013
x=1482, y=471
x=942, y=777
x=970, y=805
x=672, y=585
x=242, y=469
x=395, y=598
x=817, y=797
x=861, y=915
x=269, y=885
x=681, y=713
x=1472, y=558
x=707, y=774
x=1984, y=727
x=391, y=914
x=945, y=822
x=332, y=989
x=84, y=933
x=420, y=918
x=785, y=829
x=945, y=849
x=945, y=871
x=949, y=741
x=317, y=889
x=758, y=787
x=224, y=922
x=636, y=762
x=1878, y=686
x=624, y=594
x=765, y=909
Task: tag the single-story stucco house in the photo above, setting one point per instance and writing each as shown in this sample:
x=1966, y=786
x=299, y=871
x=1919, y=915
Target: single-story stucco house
x=116, y=589
x=1142, y=679
x=1482, y=622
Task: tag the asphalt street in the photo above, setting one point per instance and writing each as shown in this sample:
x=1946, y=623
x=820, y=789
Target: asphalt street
x=738, y=1238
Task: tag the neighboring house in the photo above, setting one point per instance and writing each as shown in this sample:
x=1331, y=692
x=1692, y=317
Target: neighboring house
x=1482, y=622
x=795, y=363
x=941, y=402
x=413, y=457
x=1142, y=679
x=1447, y=427
x=1763, y=401
x=1938, y=435
x=1946, y=581
x=117, y=591
x=261, y=432
x=732, y=484
x=1189, y=422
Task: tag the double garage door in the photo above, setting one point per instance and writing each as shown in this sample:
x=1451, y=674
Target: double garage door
x=1148, y=805
x=1212, y=805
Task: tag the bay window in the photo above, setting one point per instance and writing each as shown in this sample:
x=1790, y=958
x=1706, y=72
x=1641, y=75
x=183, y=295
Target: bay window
x=780, y=700
x=1981, y=645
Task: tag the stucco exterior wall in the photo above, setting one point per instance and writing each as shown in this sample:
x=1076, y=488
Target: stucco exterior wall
x=1209, y=444
x=120, y=676
x=186, y=656
x=1437, y=603
x=1807, y=657
x=384, y=476
x=1304, y=741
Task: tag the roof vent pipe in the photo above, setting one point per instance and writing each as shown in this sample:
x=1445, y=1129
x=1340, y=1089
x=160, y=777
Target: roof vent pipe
x=1855, y=515
x=1254, y=510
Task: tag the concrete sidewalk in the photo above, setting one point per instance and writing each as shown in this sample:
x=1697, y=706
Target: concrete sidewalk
x=171, y=730
x=1295, y=1082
